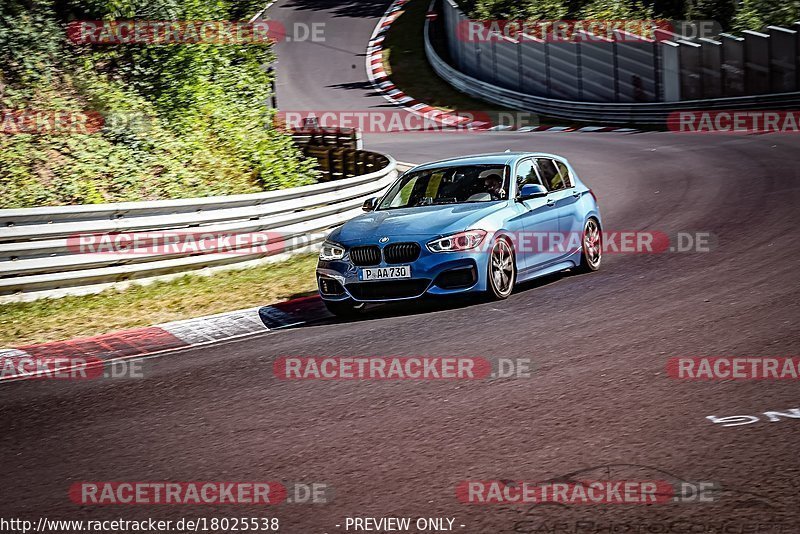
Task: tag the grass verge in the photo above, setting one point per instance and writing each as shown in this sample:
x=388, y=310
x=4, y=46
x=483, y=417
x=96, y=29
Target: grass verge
x=189, y=296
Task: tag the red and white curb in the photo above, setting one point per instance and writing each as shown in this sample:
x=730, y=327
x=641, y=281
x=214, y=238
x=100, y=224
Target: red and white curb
x=125, y=344
x=384, y=86
x=381, y=82
x=588, y=129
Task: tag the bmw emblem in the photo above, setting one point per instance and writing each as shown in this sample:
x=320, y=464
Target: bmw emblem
x=384, y=239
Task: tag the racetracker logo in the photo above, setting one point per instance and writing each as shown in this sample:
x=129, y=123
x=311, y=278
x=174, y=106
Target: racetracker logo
x=585, y=492
x=742, y=121
x=563, y=31
x=45, y=122
x=51, y=367
x=734, y=368
x=397, y=120
x=170, y=32
x=67, y=368
x=182, y=243
x=611, y=242
x=50, y=122
x=177, y=493
x=399, y=368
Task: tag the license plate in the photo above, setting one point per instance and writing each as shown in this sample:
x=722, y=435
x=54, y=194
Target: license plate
x=385, y=273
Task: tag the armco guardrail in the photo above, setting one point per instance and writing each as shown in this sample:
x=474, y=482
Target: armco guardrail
x=40, y=254
x=581, y=111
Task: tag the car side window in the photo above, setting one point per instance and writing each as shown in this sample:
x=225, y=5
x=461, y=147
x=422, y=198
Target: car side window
x=563, y=171
x=432, y=189
x=553, y=179
x=526, y=174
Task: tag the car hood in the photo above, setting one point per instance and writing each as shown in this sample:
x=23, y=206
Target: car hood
x=427, y=221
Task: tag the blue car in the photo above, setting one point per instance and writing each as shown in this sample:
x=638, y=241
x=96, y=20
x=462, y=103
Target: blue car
x=470, y=225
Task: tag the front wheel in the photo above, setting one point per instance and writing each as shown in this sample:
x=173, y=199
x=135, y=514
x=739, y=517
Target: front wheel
x=591, y=247
x=344, y=308
x=502, y=270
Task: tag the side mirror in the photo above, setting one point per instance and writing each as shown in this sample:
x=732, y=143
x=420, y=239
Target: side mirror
x=370, y=204
x=532, y=191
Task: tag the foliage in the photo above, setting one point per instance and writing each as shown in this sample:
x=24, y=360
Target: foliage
x=525, y=9
x=721, y=11
x=180, y=120
x=615, y=10
x=730, y=14
x=755, y=14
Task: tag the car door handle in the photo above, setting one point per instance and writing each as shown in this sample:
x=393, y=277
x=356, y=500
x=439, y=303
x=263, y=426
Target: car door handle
x=551, y=202
x=576, y=194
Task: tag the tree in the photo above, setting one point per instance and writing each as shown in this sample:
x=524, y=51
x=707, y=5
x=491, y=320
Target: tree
x=755, y=14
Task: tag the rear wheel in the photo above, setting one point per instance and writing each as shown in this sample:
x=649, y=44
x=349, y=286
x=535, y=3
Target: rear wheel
x=502, y=269
x=591, y=247
x=344, y=308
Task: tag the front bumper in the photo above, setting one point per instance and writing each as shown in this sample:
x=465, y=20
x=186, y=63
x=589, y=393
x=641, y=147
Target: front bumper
x=445, y=273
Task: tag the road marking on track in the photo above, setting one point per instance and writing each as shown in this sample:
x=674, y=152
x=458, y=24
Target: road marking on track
x=739, y=420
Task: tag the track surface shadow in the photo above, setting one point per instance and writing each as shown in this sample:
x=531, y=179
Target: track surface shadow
x=315, y=314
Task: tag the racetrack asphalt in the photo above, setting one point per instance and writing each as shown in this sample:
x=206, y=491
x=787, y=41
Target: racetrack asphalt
x=598, y=405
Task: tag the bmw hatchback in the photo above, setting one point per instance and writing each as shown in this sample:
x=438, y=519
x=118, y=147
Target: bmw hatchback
x=471, y=225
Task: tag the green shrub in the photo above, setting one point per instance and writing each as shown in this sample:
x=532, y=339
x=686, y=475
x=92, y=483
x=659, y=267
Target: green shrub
x=755, y=14
x=615, y=10
x=181, y=120
x=525, y=9
x=731, y=14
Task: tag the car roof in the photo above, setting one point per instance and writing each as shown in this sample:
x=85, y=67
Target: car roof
x=496, y=158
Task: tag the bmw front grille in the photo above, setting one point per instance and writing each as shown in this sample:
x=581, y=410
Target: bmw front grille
x=401, y=252
x=365, y=256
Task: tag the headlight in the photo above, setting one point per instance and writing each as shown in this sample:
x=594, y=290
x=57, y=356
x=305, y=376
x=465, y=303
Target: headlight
x=460, y=241
x=331, y=251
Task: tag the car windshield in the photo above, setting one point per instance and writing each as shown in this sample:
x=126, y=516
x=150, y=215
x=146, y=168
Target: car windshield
x=448, y=185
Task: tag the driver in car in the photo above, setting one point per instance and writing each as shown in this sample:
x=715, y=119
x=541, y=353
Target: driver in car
x=494, y=186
